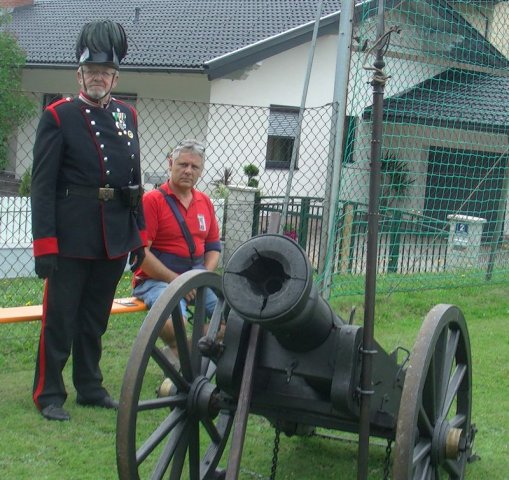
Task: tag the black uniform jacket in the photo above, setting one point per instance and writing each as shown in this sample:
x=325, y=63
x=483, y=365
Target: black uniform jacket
x=84, y=146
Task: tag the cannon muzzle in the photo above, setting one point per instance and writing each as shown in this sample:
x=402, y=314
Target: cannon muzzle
x=268, y=281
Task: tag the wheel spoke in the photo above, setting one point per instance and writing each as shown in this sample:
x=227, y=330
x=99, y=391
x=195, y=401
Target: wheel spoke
x=194, y=451
x=453, y=468
x=422, y=471
x=199, y=320
x=182, y=344
x=435, y=473
x=217, y=318
x=421, y=451
x=459, y=420
x=170, y=452
x=450, y=355
x=177, y=466
x=173, y=401
x=424, y=424
x=215, y=449
x=211, y=429
x=454, y=386
x=208, y=368
x=158, y=435
x=169, y=369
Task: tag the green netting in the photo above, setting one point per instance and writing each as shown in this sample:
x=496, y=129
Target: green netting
x=444, y=183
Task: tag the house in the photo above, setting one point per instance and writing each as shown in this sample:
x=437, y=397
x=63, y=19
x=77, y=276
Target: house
x=185, y=55
x=231, y=72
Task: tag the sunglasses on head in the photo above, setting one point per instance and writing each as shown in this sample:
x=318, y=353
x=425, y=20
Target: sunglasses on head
x=191, y=144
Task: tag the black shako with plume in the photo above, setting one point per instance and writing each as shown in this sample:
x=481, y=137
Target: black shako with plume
x=103, y=42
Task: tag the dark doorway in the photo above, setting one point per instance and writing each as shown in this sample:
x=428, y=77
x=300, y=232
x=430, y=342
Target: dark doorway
x=466, y=182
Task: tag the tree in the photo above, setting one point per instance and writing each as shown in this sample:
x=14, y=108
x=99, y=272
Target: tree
x=16, y=106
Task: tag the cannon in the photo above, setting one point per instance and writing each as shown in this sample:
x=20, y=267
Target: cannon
x=275, y=348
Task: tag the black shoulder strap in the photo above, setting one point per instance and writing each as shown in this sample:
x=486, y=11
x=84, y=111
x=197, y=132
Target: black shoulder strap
x=182, y=223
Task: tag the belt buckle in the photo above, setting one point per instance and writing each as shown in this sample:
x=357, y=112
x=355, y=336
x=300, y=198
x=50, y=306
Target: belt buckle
x=106, y=193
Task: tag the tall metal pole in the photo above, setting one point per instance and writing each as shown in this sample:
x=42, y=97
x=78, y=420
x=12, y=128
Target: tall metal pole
x=499, y=225
x=343, y=60
x=296, y=143
x=378, y=83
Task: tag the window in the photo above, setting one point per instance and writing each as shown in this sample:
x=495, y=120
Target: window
x=283, y=125
x=50, y=98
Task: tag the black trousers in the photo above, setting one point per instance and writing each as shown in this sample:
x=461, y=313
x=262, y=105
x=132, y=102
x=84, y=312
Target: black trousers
x=76, y=309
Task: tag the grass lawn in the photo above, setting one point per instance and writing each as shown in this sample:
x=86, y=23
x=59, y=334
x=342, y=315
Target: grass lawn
x=31, y=447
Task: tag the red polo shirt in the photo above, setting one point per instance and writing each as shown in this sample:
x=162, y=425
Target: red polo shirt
x=164, y=231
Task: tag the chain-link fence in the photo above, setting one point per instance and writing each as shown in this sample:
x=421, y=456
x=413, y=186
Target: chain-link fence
x=443, y=206
x=239, y=139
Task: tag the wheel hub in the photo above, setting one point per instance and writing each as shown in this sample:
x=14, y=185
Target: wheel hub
x=448, y=442
x=200, y=398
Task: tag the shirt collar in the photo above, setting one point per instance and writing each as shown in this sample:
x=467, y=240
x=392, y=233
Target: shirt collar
x=91, y=102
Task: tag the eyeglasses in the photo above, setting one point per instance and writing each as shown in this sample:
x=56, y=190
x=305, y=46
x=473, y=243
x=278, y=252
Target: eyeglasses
x=99, y=73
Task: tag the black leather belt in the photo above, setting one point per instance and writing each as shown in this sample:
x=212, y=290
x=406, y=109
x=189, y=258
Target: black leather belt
x=102, y=193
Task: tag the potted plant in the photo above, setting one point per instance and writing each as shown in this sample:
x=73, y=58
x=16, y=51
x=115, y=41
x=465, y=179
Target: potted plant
x=251, y=171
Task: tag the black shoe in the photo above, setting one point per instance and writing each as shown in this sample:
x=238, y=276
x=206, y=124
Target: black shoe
x=52, y=412
x=105, y=402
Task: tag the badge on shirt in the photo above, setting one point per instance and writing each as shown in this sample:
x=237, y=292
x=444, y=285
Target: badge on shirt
x=120, y=120
x=201, y=221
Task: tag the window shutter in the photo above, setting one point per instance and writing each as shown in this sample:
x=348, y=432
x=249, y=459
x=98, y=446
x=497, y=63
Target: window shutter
x=283, y=123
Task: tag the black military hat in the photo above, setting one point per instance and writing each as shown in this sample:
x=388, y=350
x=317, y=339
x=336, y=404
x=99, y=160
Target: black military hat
x=103, y=42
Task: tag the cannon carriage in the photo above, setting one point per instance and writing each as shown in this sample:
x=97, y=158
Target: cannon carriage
x=275, y=348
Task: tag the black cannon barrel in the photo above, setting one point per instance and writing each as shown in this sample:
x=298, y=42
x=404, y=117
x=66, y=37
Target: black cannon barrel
x=268, y=280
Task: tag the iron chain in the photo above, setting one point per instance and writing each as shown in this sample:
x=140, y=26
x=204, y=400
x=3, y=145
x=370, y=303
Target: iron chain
x=275, y=453
x=387, y=460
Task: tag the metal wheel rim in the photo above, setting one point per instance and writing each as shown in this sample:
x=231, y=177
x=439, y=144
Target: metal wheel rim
x=437, y=395
x=179, y=432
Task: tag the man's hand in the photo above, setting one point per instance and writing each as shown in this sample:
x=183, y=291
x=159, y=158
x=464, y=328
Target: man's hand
x=136, y=258
x=45, y=265
x=190, y=296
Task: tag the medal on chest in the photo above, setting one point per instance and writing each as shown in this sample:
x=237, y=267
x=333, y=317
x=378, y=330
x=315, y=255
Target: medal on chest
x=120, y=120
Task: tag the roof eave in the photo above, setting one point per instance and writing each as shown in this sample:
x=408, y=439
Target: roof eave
x=410, y=118
x=123, y=68
x=249, y=55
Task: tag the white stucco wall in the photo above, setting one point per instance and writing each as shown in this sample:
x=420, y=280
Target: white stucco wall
x=280, y=79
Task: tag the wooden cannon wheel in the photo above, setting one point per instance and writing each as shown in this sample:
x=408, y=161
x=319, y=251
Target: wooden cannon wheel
x=182, y=433
x=434, y=434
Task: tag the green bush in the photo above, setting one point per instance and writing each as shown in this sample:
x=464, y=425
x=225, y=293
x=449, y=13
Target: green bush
x=26, y=182
x=16, y=107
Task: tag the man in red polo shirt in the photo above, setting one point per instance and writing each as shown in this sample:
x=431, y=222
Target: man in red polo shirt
x=169, y=253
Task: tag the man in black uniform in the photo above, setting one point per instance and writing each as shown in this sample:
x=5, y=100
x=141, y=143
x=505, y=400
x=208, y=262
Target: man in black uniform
x=86, y=218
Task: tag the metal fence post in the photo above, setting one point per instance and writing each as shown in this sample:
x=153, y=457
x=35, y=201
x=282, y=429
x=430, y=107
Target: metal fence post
x=394, y=239
x=305, y=205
